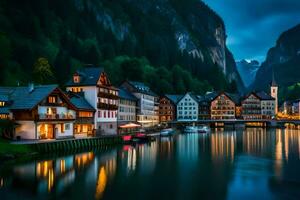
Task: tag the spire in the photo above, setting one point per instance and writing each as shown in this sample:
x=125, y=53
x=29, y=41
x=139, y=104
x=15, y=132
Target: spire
x=273, y=83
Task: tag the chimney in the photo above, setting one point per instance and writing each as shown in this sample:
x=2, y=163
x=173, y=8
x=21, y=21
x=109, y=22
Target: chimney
x=30, y=87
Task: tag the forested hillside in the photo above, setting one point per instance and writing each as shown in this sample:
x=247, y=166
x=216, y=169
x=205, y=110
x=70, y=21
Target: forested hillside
x=172, y=45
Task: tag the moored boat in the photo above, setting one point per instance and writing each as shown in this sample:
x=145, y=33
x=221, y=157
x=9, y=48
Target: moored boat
x=190, y=129
x=167, y=132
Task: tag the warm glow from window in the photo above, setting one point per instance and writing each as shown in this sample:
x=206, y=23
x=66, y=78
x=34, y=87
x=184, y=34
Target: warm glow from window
x=3, y=116
x=52, y=99
x=76, y=90
x=76, y=79
x=2, y=103
x=85, y=114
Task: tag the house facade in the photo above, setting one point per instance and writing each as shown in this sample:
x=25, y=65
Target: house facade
x=187, y=108
x=85, y=115
x=100, y=94
x=147, y=115
x=204, y=105
x=127, y=107
x=251, y=107
x=223, y=107
x=167, y=107
x=268, y=105
x=41, y=112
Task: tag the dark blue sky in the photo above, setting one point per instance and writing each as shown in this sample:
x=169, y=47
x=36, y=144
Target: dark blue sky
x=253, y=26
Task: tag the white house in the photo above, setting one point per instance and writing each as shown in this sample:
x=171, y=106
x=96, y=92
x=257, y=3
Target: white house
x=40, y=112
x=187, y=108
x=147, y=114
x=100, y=94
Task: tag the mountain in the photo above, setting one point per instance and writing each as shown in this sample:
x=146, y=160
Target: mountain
x=158, y=33
x=247, y=70
x=284, y=61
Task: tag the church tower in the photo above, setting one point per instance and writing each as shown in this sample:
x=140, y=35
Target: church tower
x=274, y=92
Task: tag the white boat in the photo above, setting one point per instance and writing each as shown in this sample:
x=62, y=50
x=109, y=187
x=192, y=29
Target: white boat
x=191, y=129
x=167, y=132
x=203, y=129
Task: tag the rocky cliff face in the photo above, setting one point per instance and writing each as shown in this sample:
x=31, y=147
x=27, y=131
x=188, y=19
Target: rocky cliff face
x=283, y=60
x=196, y=29
x=166, y=32
x=247, y=70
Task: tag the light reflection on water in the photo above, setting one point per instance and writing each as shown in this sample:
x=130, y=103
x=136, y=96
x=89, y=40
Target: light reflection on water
x=248, y=164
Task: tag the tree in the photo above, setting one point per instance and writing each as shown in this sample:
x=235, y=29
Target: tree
x=42, y=72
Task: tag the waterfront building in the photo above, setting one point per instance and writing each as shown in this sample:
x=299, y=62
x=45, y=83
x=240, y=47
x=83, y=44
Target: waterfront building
x=274, y=93
x=204, y=105
x=268, y=105
x=251, y=107
x=167, y=107
x=127, y=107
x=100, y=94
x=40, y=112
x=296, y=108
x=85, y=115
x=287, y=108
x=187, y=108
x=223, y=106
x=5, y=103
x=147, y=114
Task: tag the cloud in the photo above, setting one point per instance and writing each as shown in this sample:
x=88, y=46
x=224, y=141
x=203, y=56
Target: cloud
x=254, y=26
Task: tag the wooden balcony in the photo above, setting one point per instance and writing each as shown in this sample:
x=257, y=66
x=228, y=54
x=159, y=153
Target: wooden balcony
x=105, y=106
x=54, y=117
x=107, y=95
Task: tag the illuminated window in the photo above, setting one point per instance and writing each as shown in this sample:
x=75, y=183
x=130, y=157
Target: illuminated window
x=86, y=114
x=76, y=79
x=3, y=116
x=2, y=103
x=52, y=99
x=76, y=90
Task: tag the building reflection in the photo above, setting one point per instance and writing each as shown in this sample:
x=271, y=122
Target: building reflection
x=128, y=159
x=188, y=148
x=166, y=147
x=223, y=145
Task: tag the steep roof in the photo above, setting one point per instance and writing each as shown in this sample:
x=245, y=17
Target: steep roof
x=142, y=88
x=23, y=99
x=89, y=76
x=124, y=94
x=191, y=95
x=174, y=98
x=233, y=97
x=81, y=103
x=264, y=96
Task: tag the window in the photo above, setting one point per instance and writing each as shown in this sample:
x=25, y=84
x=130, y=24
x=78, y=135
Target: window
x=99, y=114
x=86, y=114
x=62, y=128
x=67, y=127
x=108, y=113
x=104, y=114
x=2, y=103
x=51, y=99
x=76, y=79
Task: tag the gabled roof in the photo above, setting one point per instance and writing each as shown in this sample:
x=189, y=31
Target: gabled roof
x=124, y=94
x=141, y=88
x=80, y=102
x=174, y=98
x=23, y=99
x=209, y=96
x=4, y=97
x=194, y=97
x=264, y=96
x=233, y=97
x=89, y=76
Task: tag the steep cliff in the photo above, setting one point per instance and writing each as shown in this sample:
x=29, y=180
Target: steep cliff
x=283, y=60
x=248, y=70
x=74, y=32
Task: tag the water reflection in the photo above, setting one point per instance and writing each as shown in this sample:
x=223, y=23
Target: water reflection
x=194, y=163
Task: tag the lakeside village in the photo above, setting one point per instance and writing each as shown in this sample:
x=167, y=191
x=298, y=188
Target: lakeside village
x=91, y=106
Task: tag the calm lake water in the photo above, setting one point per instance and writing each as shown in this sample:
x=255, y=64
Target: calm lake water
x=245, y=164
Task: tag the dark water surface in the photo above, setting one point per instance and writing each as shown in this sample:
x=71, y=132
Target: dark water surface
x=251, y=164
